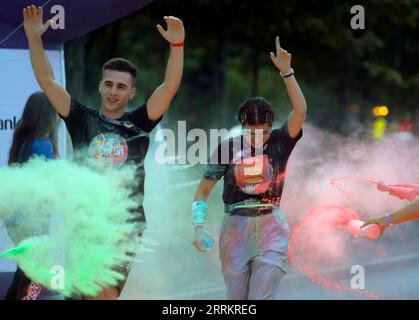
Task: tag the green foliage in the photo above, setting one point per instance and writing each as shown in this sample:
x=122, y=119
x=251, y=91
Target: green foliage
x=226, y=55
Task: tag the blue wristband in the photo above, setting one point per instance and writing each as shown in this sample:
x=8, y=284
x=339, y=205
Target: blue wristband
x=199, y=212
x=388, y=219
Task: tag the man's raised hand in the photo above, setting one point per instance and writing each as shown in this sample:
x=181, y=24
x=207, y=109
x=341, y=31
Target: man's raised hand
x=33, y=21
x=175, y=32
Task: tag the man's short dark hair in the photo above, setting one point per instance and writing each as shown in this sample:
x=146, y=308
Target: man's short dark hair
x=123, y=65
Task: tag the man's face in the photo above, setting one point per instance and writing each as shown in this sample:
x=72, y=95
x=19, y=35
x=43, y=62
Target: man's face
x=116, y=89
x=257, y=135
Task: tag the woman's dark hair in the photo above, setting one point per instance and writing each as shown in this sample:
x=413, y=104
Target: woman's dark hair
x=256, y=110
x=39, y=120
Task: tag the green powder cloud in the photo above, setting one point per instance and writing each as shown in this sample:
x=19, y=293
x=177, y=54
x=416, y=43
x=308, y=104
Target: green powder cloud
x=74, y=216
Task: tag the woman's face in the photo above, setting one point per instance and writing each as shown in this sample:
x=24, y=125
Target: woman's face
x=257, y=135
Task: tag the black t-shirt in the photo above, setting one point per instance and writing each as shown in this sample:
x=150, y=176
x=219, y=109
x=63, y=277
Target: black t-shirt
x=251, y=174
x=116, y=142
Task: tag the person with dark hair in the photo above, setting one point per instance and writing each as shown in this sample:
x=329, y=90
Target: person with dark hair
x=111, y=134
x=35, y=135
x=254, y=235
x=36, y=131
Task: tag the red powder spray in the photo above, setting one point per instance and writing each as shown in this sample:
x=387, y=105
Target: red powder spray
x=317, y=239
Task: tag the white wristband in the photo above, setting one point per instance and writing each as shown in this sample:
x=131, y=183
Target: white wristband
x=287, y=74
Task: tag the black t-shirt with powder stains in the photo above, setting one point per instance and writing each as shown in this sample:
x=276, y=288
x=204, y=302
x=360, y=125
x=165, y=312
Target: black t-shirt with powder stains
x=251, y=174
x=123, y=142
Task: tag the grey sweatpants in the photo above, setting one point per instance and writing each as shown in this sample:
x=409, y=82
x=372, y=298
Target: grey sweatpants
x=254, y=255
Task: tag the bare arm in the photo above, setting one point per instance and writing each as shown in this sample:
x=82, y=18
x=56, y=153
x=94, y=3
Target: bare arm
x=159, y=101
x=297, y=116
x=34, y=28
x=199, y=213
x=282, y=61
x=407, y=213
x=204, y=189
